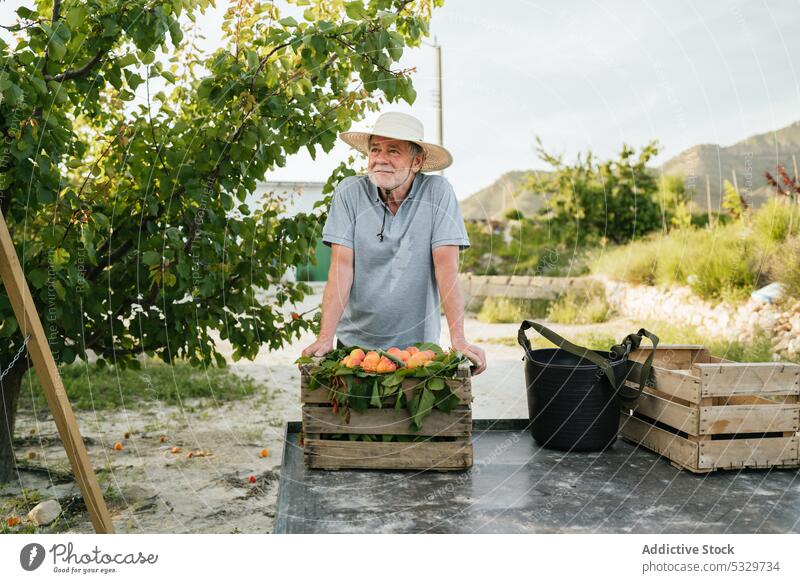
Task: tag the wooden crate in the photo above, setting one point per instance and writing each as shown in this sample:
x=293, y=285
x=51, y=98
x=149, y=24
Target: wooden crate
x=707, y=413
x=453, y=452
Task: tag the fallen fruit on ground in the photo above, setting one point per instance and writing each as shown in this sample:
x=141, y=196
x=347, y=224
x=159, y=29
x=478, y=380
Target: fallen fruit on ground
x=118, y=446
x=264, y=453
x=13, y=521
x=176, y=450
x=252, y=479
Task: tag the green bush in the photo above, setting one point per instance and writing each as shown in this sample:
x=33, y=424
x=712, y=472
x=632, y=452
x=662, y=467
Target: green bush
x=724, y=263
x=786, y=267
x=581, y=306
x=758, y=350
x=497, y=310
x=634, y=263
x=777, y=220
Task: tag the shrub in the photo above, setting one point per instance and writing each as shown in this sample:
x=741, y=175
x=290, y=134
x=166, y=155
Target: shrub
x=581, y=306
x=777, y=220
x=634, y=263
x=724, y=263
x=497, y=310
x=786, y=266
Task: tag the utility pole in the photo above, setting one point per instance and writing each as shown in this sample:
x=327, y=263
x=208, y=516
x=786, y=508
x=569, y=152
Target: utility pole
x=438, y=68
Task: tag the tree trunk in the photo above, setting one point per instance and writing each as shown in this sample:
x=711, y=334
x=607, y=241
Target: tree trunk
x=10, y=388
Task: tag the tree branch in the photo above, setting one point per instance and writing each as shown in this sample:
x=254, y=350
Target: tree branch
x=74, y=74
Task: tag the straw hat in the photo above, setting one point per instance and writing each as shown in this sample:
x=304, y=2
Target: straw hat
x=401, y=126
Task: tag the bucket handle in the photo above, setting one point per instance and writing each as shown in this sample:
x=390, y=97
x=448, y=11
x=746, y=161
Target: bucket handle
x=618, y=351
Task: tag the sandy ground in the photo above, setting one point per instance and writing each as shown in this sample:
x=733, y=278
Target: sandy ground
x=156, y=491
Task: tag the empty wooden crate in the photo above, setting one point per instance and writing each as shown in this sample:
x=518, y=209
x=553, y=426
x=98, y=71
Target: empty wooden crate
x=449, y=449
x=707, y=413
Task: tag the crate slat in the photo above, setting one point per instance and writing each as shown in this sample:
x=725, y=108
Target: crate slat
x=337, y=455
x=763, y=378
x=757, y=418
x=765, y=452
x=674, y=383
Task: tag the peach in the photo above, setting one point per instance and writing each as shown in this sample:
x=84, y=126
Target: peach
x=385, y=365
x=370, y=362
x=357, y=354
x=399, y=354
x=415, y=361
x=412, y=350
x=429, y=354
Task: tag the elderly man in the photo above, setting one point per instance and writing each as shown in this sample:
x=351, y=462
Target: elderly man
x=395, y=237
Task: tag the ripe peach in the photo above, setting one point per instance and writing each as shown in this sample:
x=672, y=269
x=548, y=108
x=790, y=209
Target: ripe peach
x=357, y=355
x=385, y=365
x=429, y=354
x=399, y=354
x=415, y=360
x=412, y=350
x=370, y=362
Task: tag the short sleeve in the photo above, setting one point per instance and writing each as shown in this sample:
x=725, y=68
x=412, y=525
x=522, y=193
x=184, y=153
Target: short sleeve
x=448, y=224
x=340, y=226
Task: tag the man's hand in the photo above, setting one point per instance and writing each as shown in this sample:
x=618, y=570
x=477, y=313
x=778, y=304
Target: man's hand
x=474, y=353
x=320, y=347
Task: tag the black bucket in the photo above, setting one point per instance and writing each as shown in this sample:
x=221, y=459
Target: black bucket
x=574, y=394
x=571, y=403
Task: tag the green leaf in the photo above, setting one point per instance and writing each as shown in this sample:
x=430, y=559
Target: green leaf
x=359, y=391
x=426, y=403
x=288, y=21
x=60, y=258
x=355, y=10
x=151, y=258
x=175, y=32
x=375, y=401
x=56, y=49
x=127, y=60
x=447, y=401
x=435, y=384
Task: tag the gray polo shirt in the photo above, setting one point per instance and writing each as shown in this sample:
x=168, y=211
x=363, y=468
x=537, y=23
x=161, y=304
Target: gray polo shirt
x=394, y=299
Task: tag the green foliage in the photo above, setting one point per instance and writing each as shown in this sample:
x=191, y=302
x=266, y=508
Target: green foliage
x=633, y=263
x=777, y=220
x=585, y=305
x=124, y=177
x=733, y=201
x=156, y=384
x=757, y=350
x=725, y=263
x=514, y=215
x=532, y=249
x=354, y=389
x=786, y=267
x=508, y=310
x=613, y=200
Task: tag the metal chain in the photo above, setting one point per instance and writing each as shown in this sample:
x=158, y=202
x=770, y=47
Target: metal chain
x=16, y=357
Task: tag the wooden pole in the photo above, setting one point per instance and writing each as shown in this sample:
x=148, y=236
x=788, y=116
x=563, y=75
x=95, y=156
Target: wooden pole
x=46, y=370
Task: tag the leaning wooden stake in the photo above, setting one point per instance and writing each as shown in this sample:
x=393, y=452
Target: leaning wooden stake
x=47, y=372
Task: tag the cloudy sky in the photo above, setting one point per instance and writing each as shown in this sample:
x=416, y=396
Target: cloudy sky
x=590, y=75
